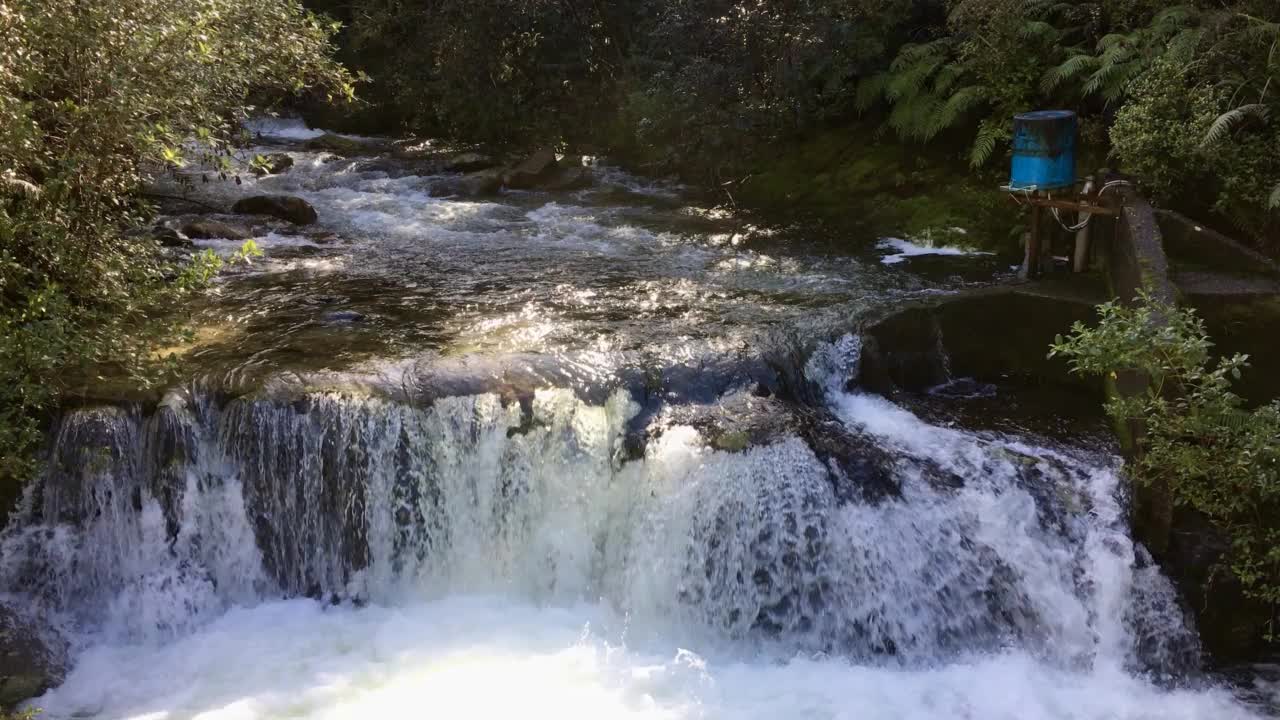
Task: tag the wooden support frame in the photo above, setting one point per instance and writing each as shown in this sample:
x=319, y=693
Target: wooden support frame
x=1091, y=204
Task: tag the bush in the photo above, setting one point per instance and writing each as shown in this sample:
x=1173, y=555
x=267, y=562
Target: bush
x=1159, y=134
x=1216, y=456
x=95, y=96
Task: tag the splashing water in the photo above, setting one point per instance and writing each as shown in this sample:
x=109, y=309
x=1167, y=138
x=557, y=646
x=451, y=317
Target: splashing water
x=346, y=552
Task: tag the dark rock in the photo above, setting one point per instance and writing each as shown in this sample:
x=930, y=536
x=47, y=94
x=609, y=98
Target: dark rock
x=469, y=162
x=274, y=164
x=286, y=207
x=1232, y=626
x=478, y=184
x=169, y=237
x=28, y=665
x=535, y=169
x=205, y=229
x=569, y=178
x=335, y=144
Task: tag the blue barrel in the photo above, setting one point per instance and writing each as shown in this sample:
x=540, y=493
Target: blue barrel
x=1044, y=150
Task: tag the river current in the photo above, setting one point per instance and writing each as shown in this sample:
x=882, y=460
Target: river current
x=571, y=456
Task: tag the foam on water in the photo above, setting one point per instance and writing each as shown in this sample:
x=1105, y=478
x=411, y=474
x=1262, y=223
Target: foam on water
x=907, y=249
x=487, y=657
x=509, y=561
x=312, y=553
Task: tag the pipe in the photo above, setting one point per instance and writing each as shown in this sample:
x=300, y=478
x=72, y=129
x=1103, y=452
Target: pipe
x=1081, y=260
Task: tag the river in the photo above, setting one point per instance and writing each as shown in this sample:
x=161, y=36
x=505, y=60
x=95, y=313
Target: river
x=554, y=455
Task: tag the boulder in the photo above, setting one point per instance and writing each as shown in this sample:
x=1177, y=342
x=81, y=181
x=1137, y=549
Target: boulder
x=205, y=229
x=478, y=184
x=273, y=164
x=286, y=207
x=169, y=237
x=537, y=168
x=336, y=144
x=569, y=178
x=28, y=664
x=469, y=162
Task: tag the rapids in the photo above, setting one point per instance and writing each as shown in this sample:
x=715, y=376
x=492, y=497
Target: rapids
x=470, y=459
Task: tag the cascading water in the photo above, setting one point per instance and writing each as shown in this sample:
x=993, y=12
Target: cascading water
x=346, y=552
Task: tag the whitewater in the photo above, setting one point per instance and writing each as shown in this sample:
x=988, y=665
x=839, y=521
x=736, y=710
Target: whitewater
x=479, y=502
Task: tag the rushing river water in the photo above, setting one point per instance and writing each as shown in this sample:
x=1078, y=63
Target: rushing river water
x=558, y=456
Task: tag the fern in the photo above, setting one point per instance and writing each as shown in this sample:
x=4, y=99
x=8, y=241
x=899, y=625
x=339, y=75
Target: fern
x=989, y=133
x=1274, y=203
x=955, y=107
x=1069, y=70
x=1230, y=120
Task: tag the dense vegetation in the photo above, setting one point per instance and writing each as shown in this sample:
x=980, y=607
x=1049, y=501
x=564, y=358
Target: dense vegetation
x=1215, y=456
x=1184, y=96
x=96, y=95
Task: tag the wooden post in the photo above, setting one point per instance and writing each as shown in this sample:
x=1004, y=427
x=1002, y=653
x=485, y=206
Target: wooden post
x=1033, y=244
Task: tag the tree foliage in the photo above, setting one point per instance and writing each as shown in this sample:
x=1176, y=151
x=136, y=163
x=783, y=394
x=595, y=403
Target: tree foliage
x=1216, y=456
x=700, y=86
x=95, y=96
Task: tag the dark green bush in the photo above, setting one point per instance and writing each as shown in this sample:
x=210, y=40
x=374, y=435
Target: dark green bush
x=95, y=96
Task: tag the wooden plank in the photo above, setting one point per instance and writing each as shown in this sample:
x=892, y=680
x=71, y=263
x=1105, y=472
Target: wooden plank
x=1069, y=205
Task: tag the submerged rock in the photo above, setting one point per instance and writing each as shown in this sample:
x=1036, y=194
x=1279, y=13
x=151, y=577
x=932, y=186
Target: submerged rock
x=569, y=178
x=168, y=237
x=286, y=207
x=535, y=169
x=273, y=164
x=336, y=144
x=28, y=665
x=205, y=229
x=478, y=184
x=469, y=162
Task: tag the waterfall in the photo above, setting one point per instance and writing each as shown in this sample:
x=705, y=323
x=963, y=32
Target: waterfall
x=153, y=531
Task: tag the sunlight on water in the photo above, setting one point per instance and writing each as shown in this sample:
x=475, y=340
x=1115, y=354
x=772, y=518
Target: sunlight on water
x=490, y=521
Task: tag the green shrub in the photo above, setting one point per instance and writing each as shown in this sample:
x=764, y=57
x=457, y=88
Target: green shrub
x=96, y=96
x=1215, y=455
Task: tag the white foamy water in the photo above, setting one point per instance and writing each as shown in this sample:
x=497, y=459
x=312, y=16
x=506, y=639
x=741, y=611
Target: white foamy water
x=486, y=657
x=908, y=249
x=513, y=564
x=473, y=543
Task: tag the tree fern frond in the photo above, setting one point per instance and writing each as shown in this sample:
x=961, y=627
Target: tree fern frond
x=1037, y=29
x=912, y=117
x=909, y=80
x=984, y=145
x=1228, y=121
x=1068, y=70
x=1183, y=45
x=946, y=114
x=1102, y=78
x=1274, y=203
x=1113, y=40
x=947, y=77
